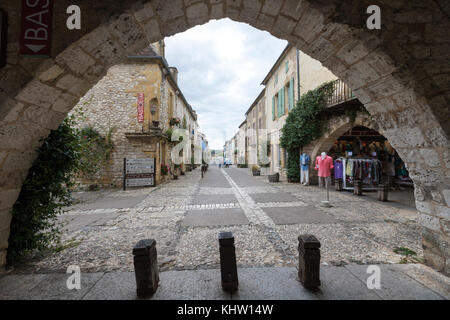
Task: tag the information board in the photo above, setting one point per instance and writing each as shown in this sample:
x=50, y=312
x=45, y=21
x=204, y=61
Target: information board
x=139, y=172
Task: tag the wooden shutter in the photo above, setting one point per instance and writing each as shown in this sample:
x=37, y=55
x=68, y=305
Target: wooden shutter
x=279, y=103
x=291, y=93
x=282, y=101
x=273, y=108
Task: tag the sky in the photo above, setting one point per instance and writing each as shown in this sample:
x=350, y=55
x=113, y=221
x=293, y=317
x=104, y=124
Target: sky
x=221, y=65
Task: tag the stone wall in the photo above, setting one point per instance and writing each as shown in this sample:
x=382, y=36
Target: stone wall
x=400, y=73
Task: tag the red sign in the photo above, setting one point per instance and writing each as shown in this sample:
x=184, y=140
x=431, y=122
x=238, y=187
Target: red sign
x=140, y=107
x=36, y=27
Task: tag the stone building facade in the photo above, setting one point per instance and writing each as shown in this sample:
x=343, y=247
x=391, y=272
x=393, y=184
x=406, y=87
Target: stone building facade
x=400, y=74
x=111, y=107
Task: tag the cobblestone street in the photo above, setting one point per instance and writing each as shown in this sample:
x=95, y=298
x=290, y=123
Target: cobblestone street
x=186, y=215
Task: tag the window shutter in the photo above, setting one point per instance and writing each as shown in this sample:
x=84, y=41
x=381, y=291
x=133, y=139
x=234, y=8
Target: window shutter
x=291, y=94
x=282, y=101
x=279, y=103
x=273, y=108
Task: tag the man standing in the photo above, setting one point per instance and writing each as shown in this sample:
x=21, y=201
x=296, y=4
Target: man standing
x=304, y=168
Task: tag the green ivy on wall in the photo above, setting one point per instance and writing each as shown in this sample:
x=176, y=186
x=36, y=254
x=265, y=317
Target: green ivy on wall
x=303, y=125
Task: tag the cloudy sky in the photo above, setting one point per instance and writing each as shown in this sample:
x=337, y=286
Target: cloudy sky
x=221, y=65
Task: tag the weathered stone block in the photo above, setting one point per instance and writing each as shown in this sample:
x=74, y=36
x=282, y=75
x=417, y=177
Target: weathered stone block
x=51, y=74
x=272, y=7
x=39, y=94
x=8, y=197
x=168, y=10
x=75, y=59
x=152, y=30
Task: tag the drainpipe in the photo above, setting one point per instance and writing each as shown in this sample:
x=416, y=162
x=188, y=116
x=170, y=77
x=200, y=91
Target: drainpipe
x=298, y=74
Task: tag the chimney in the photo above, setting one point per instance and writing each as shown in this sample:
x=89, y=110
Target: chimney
x=174, y=72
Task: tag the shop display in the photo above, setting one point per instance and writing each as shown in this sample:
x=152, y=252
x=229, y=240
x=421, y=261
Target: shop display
x=304, y=168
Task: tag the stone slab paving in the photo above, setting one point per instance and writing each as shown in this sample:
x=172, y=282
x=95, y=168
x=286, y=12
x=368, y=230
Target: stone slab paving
x=215, y=217
x=337, y=283
x=214, y=199
x=186, y=215
x=273, y=197
x=298, y=215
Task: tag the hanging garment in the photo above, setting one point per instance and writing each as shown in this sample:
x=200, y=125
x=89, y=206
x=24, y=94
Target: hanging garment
x=338, y=169
x=304, y=161
x=349, y=169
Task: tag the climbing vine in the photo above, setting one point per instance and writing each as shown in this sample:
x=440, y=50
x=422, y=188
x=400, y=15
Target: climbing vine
x=304, y=125
x=45, y=192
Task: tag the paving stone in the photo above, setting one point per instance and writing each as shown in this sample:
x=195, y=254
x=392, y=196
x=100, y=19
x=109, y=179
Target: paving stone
x=111, y=202
x=395, y=284
x=218, y=217
x=272, y=197
x=298, y=215
x=15, y=286
x=271, y=284
x=213, y=199
x=338, y=283
x=54, y=287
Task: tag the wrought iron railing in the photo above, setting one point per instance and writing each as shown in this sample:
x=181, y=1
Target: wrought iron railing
x=341, y=93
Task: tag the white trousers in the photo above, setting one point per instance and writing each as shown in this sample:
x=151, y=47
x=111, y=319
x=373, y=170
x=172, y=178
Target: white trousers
x=304, y=176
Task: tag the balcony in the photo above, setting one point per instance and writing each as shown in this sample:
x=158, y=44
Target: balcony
x=341, y=94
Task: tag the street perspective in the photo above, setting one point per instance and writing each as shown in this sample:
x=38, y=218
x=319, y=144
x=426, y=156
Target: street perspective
x=225, y=155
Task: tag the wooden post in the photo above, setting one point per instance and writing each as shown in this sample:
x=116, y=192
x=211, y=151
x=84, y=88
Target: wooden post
x=146, y=267
x=228, y=268
x=309, y=261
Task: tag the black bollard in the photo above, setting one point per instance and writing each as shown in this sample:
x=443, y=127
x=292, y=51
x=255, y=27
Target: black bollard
x=146, y=267
x=309, y=261
x=228, y=268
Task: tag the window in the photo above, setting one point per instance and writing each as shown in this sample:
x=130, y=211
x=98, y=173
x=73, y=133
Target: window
x=287, y=66
x=276, y=80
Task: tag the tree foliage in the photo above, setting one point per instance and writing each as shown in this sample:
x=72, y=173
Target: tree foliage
x=303, y=125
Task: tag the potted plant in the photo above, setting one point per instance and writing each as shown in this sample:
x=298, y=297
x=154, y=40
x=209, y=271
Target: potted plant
x=174, y=122
x=256, y=171
x=274, y=177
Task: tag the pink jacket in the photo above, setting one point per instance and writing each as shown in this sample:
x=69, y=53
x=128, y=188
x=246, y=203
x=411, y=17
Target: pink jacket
x=324, y=166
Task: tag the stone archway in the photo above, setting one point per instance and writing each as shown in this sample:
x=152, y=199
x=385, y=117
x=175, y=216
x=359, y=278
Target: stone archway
x=400, y=74
x=336, y=128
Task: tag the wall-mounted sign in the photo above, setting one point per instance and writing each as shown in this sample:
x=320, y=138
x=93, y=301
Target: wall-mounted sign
x=3, y=37
x=139, y=172
x=36, y=27
x=140, y=107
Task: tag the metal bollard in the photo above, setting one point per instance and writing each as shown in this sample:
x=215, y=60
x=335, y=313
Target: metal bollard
x=228, y=268
x=309, y=261
x=146, y=267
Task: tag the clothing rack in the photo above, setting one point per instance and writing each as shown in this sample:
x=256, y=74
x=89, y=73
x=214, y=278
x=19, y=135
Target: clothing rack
x=344, y=180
